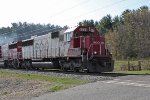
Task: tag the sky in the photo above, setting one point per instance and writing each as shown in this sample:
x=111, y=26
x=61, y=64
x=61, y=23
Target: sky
x=62, y=12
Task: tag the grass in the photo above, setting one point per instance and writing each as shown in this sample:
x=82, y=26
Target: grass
x=120, y=63
x=143, y=72
x=57, y=83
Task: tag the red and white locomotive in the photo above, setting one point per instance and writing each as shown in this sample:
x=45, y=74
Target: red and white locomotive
x=81, y=48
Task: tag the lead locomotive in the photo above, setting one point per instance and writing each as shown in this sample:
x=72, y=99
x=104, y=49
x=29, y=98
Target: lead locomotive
x=77, y=49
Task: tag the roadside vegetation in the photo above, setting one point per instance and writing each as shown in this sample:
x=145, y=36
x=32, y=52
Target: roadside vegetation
x=64, y=82
x=127, y=37
x=132, y=66
x=56, y=83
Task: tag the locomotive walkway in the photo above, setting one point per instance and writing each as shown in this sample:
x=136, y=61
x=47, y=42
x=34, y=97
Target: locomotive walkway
x=123, y=88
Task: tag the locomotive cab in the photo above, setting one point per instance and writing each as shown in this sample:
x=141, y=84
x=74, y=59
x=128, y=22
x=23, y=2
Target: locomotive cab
x=85, y=50
x=89, y=41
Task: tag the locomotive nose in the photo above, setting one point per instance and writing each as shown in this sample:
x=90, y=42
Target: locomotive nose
x=96, y=46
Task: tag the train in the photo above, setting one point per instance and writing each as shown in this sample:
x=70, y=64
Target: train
x=76, y=49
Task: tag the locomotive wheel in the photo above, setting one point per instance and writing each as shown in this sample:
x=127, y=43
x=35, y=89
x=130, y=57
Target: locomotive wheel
x=24, y=65
x=10, y=64
x=64, y=65
x=14, y=64
x=5, y=64
x=28, y=64
x=76, y=70
x=63, y=69
x=85, y=70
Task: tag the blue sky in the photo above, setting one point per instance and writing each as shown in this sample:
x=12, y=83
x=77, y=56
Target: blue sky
x=62, y=12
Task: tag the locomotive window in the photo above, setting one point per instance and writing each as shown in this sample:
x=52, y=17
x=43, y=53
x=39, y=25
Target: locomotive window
x=87, y=34
x=68, y=36
x=27, y=43
x=12, y=46
x=75, y=34
x=55, y=35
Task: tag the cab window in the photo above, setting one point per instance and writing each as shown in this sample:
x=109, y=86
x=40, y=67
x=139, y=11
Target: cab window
x=68, y=36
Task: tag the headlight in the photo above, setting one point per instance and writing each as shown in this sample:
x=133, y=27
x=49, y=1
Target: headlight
x=95, y=52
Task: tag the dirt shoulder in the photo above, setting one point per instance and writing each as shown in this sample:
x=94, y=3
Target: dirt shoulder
x=19, y=85
x=21, y=89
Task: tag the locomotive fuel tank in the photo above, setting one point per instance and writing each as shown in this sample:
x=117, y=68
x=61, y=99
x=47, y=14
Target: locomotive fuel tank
x=46, y=65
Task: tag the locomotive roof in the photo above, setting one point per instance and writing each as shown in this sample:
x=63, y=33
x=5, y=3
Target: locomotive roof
x=70, y=29
x=27, y=40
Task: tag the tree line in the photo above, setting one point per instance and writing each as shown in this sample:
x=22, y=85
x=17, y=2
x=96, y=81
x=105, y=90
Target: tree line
x=23, y=30
x=128, y=35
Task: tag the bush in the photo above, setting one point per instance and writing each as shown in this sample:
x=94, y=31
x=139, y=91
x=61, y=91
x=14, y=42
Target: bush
x=145, y=65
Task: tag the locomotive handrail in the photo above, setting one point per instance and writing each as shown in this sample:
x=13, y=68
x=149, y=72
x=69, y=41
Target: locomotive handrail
x=19, y=55
x=92, y=51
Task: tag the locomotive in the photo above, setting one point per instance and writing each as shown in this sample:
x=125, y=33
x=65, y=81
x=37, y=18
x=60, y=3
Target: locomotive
x=78, y=49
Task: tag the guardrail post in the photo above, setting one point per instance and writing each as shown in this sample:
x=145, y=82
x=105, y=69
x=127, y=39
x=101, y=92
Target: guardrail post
x=128, y=66
x=139, y=62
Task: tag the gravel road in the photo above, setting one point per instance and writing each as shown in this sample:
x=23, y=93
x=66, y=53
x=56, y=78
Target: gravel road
x=131, y=87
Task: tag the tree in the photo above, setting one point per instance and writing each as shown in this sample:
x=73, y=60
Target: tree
x=24, y=30
x=88, y=23
x=105, y=24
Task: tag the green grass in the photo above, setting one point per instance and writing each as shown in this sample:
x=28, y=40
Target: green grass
x=56, y=88
x=143, y=72
x=119, y=63
x=57, y=83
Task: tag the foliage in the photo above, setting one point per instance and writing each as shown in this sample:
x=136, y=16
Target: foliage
x=105, y=24
x=88, y=23
x=127, y=34
x=143, y=72
x=130, y=37
x=21, y=31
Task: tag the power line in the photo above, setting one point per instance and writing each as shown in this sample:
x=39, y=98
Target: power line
x=77, y=16
x=134, y=4
x=102, y=8
x=121, y=1
x=92, y=11
x=62, y=11
x=21, y=35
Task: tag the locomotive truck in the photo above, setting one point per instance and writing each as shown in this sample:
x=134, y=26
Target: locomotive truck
x=77, y=49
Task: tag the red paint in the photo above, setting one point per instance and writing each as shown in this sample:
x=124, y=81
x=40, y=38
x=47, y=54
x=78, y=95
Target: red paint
x=89, y=40
x=19, y=49
x=76, y=42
